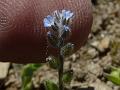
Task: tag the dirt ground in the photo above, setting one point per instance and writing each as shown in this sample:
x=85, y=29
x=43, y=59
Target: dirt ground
x=91, y=63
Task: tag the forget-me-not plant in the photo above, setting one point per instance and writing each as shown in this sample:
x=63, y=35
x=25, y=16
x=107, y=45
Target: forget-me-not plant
x=58, y=25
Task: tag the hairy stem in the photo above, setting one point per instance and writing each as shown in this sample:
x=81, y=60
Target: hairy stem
x=60, y=71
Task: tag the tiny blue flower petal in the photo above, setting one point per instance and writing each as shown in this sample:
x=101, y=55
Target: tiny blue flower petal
x=50, y=18
x=70, y=15
x=48, y=21
x=67, y=14
x=66, y=28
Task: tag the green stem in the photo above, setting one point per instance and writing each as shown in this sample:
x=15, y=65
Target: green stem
x=60, y=71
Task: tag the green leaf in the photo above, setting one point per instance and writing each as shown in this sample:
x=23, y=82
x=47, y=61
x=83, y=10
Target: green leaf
x=114, y=68
x=36, y=66
x=28, y=87
x=114, y=77
x=27, y=74
x=29, y=69
x=49, y=85
x=67, y=49
x=54, y=62
x=67, y=77
x=25, y=81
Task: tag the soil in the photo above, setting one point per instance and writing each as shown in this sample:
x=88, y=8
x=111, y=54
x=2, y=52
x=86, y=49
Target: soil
x=91, y=63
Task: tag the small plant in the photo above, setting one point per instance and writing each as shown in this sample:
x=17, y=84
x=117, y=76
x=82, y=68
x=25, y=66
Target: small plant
x=114, y=76
x=58, y=25
x=27, y=74
x=59, y=30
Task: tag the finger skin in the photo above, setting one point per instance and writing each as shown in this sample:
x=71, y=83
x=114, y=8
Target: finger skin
x=23, y=36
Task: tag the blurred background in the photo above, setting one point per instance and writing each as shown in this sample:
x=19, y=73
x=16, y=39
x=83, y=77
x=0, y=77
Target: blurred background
x=90, y=64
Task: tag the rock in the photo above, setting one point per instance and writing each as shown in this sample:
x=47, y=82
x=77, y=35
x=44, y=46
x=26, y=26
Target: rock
x=104, y=44
x=101, y=45
x=92, y=52
x=94, y=69
x=67, y=65
x=90, y=78
x=95, y=43
x=75, y=57
x=110, y=84
x=4, y=70
x=100, y=85
x=13, y=80
x=44, y=73
x=116, y=88
x=106, y=61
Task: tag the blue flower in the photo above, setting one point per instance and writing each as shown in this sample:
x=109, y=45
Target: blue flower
x=66, y=28
x=48, y=21
x=51, y=20
x=67, y=14
x=59, y=23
